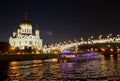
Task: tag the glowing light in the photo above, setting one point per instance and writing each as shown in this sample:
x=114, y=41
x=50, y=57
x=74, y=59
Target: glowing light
x=111, y=49
x=67, y=45
x=102, y=49
x=24, y=37
x=54, y=60
x=13, y=47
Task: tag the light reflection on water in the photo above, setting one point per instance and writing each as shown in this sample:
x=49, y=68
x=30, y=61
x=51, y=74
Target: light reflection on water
x=108, y=68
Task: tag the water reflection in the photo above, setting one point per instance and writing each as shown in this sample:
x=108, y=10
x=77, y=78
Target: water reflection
x=36, y=70
x=13, y=72
x=118, y=56
x=106, y=69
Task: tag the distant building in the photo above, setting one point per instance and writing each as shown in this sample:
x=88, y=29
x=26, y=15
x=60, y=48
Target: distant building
x=23, y=37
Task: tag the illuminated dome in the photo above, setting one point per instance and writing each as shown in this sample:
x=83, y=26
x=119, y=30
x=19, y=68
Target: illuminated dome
x=15, y=29
x=25, y=22
x=37, y=28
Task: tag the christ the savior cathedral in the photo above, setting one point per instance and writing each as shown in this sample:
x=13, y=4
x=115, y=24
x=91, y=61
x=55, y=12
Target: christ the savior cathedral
x=23, y=37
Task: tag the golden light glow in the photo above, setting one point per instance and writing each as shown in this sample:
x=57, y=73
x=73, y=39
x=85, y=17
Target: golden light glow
x=103, y=57
x=91, y=49
x=13, y=71
x=54, y=60
x=118, y=50
x=118, y=57
x=111, y=58
x=13, y=47
x=111, y=50
x=96, y=49
x=103, y=49
x=14, y=63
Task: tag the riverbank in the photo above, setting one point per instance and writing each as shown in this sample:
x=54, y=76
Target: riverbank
x=28, y=57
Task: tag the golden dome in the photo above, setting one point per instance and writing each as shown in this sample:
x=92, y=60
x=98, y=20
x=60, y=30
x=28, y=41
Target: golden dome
x=25, y=21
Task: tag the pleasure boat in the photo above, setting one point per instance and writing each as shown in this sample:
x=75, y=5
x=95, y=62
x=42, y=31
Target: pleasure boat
x=79, y=57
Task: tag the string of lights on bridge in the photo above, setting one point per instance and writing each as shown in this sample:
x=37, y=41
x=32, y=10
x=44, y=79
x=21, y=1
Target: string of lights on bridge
x=65, y=45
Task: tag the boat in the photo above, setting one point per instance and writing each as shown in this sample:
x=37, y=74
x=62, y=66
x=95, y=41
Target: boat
x=79, y=57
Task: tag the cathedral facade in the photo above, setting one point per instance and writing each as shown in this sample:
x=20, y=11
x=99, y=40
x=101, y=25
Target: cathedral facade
x=23, y=37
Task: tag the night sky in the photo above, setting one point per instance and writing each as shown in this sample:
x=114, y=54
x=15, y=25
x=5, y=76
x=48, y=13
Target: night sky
x=59, y=20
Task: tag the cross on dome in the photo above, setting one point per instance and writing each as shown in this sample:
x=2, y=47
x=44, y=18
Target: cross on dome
x=25, y=21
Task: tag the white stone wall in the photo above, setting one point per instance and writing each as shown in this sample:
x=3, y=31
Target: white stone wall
x=30, y=41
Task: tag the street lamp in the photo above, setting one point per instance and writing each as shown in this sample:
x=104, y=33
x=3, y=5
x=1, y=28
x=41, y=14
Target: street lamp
x=110, y=35
x=100, y=36
x=81, y=39
x=91, y=37
x=118, y=35
x=75, y=40
x=69, y=41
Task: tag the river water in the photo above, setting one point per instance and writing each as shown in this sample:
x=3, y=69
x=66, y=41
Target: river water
x=105, y=69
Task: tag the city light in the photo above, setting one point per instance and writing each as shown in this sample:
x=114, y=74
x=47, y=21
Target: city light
x=92, y=40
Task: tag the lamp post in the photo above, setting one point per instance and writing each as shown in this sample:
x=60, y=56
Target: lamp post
x=118, y=35
x=91, y=37
x=81, y=39
x=100, y=36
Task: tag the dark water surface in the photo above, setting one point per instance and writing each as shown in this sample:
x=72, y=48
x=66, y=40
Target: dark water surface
x=105, y=69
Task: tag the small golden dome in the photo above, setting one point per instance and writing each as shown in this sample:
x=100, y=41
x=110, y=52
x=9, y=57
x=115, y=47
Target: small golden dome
x=37, y=28
x=19, y=28
x=15, y=29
